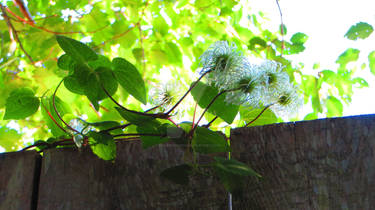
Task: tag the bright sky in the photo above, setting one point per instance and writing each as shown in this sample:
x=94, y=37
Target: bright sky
x=326, y=22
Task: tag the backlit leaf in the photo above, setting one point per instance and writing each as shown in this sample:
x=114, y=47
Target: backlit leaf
x=360, y=30
x=102, y=145
x=203, y=94
x=77, y=50
x=129, y=78
x=207, y=141
x=20, y=104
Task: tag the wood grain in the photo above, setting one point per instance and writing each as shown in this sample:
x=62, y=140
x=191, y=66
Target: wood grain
x=319, y=164
x=18, y=175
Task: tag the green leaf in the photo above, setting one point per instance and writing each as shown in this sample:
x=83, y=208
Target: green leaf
x=159, y=25
x=157, y=133
x=77, y=50
x=232, y=173
x=257, y=43
x=268, y=117
x=103, y=145
x=349, y=55
x=133, y=118
x=283, y=29
x=178, y=174
x=371, y=60
x=206, y=141
x=235, y=167
x=334, y=107
x=299, y=38
x=360, y=30
x=9, y=139
x=203, y=94
x=106, y=125
x=173, y=53
x=311, y=116
x=102, y=61
x=66, y=62
x=73, y=85
x=20, y=104
x=360, y=82
x=90, y=82
x=62, y=107
x=130, y=79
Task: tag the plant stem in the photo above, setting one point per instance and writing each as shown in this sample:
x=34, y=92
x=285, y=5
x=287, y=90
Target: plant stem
x=208, y=106
x=117, y=127
x=209, y=124
x=161, y=116
x=264, y=109
x=187, y=92
x=57, y=113
x=53, y=119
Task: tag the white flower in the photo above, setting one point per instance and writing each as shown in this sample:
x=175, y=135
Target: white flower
x=222, y=63
x=286, y=101
x=165, y=96
x=272, y=75
x=247, y=89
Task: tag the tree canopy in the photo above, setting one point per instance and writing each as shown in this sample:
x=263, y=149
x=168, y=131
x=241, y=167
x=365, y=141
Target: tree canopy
x=153, y=42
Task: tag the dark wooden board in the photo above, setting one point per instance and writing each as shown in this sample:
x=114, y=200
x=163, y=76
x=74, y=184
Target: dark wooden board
x=19, y=173
x=79, y=180
x=319, y=164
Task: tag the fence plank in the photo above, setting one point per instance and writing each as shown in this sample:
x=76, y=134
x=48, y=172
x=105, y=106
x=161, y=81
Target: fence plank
x=320, y=164
x=18, y=179
x=79, y=180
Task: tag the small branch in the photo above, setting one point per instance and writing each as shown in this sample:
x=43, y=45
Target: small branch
x=161, y=116
x=187, y=92
x=13, y=31
x=32, y=24
x=57, y=113
x=208, y=106
x=282, y=28
x=117, y=127
x=264, y=109
x=209, y=124
x=53, y=119
x=195, y=112
x=153, y=108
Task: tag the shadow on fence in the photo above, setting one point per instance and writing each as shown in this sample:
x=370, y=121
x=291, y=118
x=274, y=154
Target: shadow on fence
x=319, y=164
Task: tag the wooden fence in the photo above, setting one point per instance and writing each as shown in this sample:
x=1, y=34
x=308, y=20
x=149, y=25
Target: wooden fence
x=319, y=164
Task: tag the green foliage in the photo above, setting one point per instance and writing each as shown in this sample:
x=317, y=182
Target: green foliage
x=232, y=173
x=50, y=116
x=371, y=60
x=76, y=50
x=204, y=94
x=268, y=117
x=360, y=30
x=152, y=133
x=20, y=104
x=349, y=55
x=133, y=48
x=103, y=145
x=132, y=117
x=206, y=141
x=129, y=78
x=8, y=137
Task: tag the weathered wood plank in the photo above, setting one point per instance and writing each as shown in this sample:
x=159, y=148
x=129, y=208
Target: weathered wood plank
x=18, y=180
x=320, y=164
x=79, y=180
